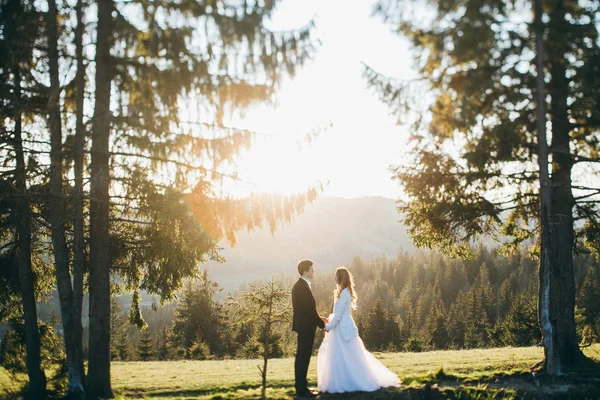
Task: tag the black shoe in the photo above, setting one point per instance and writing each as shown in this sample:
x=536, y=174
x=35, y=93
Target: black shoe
x=307, y=394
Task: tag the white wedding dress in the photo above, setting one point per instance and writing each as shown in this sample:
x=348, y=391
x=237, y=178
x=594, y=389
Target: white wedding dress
x=343, y=363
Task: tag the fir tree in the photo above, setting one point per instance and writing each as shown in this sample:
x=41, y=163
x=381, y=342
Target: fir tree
x=588, y=299
x=145, y=347
x=21, y=96
x=457, y=321
x=199, y=317
x=269, y=306
x=71, y=320
x=163, y=351
x=482, y=120
x=476, y=321
x=119, y=324
x=435, y=326
x=520, y=324
x=164, y=215
x=375, y=331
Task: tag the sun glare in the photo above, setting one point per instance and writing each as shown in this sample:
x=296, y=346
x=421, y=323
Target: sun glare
x=357, y=138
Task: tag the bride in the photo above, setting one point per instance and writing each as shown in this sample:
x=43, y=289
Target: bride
x=343, y=363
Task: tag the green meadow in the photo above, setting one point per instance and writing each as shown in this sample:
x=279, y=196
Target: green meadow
x=466, y=374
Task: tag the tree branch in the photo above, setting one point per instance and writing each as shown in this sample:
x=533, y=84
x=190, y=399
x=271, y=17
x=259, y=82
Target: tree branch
x=178, y=163
x=132, y=221
x=582, y=159
x=586, y=196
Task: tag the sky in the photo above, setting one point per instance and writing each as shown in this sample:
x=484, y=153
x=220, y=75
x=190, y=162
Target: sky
x=359, y=139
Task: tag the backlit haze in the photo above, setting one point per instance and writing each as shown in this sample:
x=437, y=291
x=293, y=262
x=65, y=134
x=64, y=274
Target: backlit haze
x=358, y=138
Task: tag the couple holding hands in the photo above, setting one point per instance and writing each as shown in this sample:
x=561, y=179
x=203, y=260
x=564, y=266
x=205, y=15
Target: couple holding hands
x=343, y=363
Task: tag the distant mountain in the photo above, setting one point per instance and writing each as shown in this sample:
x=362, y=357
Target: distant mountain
x=330, y=232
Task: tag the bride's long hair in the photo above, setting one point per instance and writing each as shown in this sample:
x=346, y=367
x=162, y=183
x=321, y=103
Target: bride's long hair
x=343, y=279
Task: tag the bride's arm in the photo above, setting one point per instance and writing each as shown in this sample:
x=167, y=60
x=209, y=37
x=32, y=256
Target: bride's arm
x=338, y=311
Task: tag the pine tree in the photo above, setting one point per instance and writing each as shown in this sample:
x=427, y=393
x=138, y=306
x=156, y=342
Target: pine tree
x=520, y=325
x=119, y=324
x=375, y=331
x=98, y=377
x=589, y=295
x=167, y=166
x=457, y=321
x=488, y=299
x=20, y=29
x=145, y=347
x=199, y=350
x=163, y=352
x=435, y=326
x=199, y=317
x=476, y=321
x=268, y=306
x=394, y=334
x=482, y=119
x=71, y=320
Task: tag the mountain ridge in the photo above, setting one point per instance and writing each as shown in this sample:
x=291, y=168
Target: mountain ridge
x=330, y=231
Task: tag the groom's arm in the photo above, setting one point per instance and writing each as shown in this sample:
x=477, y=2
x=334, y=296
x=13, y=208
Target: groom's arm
x=318, y=319
x=309, y=308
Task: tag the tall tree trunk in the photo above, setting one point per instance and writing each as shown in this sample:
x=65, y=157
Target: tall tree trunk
x=562, y=291
x=37, y=378
x=57, y=211
x=99, y=340
x=552, y=359
x=78, y=226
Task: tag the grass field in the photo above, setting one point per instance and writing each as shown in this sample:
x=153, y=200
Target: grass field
x=477, y=374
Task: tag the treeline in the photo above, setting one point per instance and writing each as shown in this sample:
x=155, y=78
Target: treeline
x=415, y=302
x=195, y=327
x=427, y=301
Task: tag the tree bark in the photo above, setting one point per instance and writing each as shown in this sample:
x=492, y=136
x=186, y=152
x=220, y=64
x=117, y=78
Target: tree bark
x=98, y=379
x=57, y=212
x=37, y=378
x=562, y=291
x=552, y=359
x=78, y=227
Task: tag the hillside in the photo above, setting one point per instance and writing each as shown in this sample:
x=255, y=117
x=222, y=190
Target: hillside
x=330, y=232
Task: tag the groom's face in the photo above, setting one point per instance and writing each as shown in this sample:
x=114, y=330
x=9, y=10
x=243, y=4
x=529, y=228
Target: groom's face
x=310, y=273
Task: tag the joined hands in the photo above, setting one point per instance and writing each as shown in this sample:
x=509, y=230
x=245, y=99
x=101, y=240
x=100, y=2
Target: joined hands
x=325, y=321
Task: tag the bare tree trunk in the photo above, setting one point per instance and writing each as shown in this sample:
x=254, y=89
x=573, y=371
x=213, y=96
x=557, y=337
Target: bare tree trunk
x=547, y=259
x=98, y=379
x=557, y=283
x=37, y=378
x=78, y=227
x=57, y=211
x=562, y=290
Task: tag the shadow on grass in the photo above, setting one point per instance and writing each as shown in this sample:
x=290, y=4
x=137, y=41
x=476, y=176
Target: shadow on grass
x=514, y=384
x=215, y=392
x=582, y=383
x=426, y=392
x=439, y=385
x=288, y=393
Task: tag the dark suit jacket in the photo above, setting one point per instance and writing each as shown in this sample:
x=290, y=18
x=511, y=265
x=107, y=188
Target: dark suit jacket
x=306, y=318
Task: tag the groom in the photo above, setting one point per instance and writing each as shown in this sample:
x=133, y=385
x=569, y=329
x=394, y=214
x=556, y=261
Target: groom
x=305, y=321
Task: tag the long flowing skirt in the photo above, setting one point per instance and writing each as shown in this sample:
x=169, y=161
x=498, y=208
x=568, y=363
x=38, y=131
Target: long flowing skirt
x=348, y=367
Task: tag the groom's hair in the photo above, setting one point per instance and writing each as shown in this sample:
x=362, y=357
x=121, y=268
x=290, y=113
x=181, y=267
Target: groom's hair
x=304, y=266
